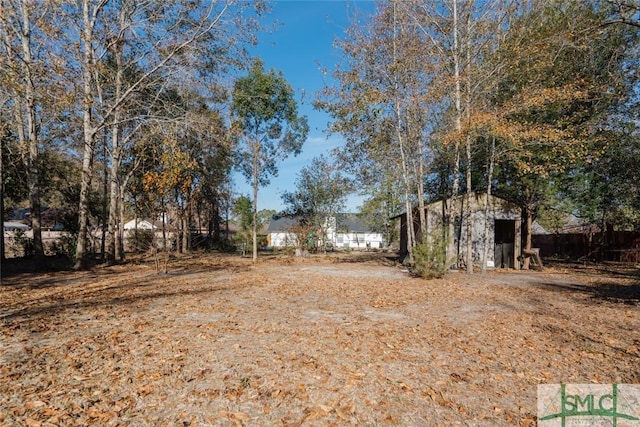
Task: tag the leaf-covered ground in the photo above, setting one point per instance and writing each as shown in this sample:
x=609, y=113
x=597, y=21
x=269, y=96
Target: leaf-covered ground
x=340, y=340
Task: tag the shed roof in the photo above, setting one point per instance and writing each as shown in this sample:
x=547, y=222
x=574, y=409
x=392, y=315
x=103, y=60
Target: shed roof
x=506, y=205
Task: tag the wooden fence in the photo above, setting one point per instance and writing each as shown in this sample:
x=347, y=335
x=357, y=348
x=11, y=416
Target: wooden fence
x=623, y=246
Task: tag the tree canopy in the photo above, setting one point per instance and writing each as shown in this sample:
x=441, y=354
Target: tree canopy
x=267, y=128
x=525, y=98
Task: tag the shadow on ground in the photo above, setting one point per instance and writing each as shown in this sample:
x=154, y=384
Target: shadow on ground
x=625, y=293
x=127, y=293
x=378, y=258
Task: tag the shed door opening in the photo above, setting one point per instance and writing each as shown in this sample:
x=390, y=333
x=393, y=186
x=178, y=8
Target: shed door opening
x=505, y=239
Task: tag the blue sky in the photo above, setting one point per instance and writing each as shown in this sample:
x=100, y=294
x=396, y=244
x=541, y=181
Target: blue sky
x=301, y=46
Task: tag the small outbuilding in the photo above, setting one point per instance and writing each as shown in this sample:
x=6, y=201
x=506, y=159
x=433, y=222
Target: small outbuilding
x=503, y=221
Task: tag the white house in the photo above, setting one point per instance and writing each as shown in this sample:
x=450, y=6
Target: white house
x=14, y=225
x=344, y=231
x=139, y=224
x=280, y=232
x=349, y=232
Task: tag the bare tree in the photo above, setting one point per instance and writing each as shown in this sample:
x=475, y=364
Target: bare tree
x=187, y=29
x=19, y=21
x=624, y=12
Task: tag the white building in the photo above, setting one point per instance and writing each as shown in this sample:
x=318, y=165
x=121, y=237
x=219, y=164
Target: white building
x=344, y=231
x=139, y=224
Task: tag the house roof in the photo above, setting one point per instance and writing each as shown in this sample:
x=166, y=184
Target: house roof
x=281, y=223
x=350, y=222
x=346, y=221
x=573, y=224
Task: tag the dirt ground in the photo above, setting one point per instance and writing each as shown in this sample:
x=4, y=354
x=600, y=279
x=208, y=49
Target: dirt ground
x=327, y=340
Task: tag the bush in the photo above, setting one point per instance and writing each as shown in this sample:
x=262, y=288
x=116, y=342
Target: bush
x=25, y=243
x=430, y=258
x=66, y=246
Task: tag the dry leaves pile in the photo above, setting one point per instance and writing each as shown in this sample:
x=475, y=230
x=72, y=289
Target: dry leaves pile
x=310, y=342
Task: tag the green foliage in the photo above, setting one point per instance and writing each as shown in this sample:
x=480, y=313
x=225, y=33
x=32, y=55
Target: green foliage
x=320, y=194
x=321, y=191
x=265, y=216
x=430, y=258
x=561, y=86
x=13, y=169
x=606, y=188
x=243, y=217
x=243, y=212
x=267, y=122
x=66, y=246
x=25, y=243
x=267, y=127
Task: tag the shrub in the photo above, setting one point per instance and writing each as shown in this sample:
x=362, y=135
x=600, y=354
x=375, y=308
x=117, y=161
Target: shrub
x=430, y=258
x=66, y=246
x=25, y=243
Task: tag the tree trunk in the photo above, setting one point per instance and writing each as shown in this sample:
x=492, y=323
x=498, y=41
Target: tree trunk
x=2, y=136
x=89, y=138
x=420, y=182
x=469, y=212
x=452, y=252
x=411, y=236
x=164, y=224
x=254, y=231
x=105, y=202
x=114, y=201
x=122, y=187
x=216, y=220
x=527, y=245
x=468, y=140
x=186, y=225
x=85, y=188
x=31, y=140
x=485, y=247
x=185, y=234
x=120, y=252
x=116, y=155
